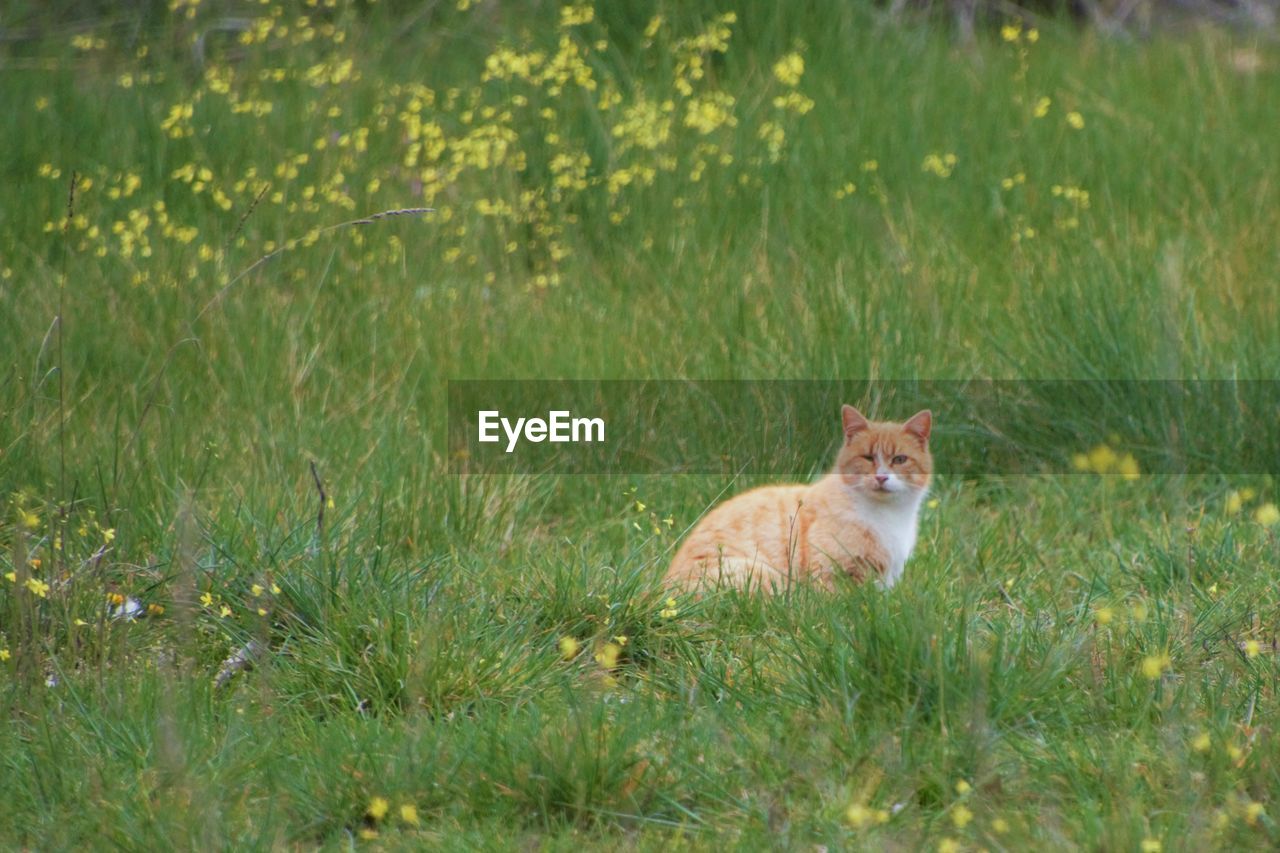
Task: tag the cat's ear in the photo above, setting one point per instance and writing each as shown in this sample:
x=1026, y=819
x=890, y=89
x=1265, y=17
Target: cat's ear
x=854, y=422
x=920, y=425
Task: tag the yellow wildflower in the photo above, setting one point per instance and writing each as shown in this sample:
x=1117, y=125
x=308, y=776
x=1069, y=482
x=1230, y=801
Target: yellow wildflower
x=1253, y=811
x=257, y=590
x=1151, y=845
x=206, y=600
x=608, y=654
x=705, y=114
x=1153, y=666
x=38, y=587
x=4, y=655
x=573, y=16
x=789, y=69
x=1128, y=467
x=1102, y=459
x=1201, y=742
x=1104, y=615
x=948, y=845
x=963, y=787
x=1235, y=502
x=859, y=816
x=999, y=826
x=939, y=164
x=224, y=611
x=409, y=814
x=1075, y=120
x=794, y=101
x=1011, y=32
x=1252, y=648
x=377, y=809
x=961, y=816
x=1267, y=515
x=568, y=647
x=773, y=135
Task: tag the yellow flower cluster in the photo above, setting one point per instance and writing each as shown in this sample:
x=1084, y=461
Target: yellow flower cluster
x=506, y=160
x=940, y=164
x=789, y=69
x=691, y=51
x=1108, y=615
x=1013, y=32
x=376, y=813
x=860, y=816
x=1266, y=513
x=1103, y=460
x=710, y=112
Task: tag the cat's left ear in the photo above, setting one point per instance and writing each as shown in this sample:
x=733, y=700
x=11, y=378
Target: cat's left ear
x=919, y=425
x=853, y=421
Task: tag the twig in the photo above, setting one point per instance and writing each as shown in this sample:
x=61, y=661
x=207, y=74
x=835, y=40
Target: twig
x=249, y=211
x=71, y=201
x=62, y=299
x=242, y=658
x=315, y=475
x=289, y=244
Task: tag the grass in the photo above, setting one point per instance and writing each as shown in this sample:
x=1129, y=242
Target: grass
x=258, y=452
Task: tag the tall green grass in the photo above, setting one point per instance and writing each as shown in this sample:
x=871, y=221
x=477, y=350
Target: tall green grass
x=1071, y=661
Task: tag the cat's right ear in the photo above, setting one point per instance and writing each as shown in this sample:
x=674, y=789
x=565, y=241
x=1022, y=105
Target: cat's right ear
x=920, y=424
x=854, y=422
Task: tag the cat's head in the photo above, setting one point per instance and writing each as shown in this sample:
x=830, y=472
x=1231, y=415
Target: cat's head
x=887, y=461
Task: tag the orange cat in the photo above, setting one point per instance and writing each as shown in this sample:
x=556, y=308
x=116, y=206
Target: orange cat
x=859, y=520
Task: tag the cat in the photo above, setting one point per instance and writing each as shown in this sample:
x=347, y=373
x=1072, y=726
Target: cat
x=860, y=520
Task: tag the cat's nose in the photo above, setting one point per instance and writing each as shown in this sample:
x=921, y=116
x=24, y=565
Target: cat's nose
x=881, y=479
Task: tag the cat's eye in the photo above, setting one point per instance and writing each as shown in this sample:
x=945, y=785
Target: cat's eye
x=869, y=458
x=899, y=459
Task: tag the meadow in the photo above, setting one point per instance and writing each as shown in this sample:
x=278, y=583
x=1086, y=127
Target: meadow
x=245, y=247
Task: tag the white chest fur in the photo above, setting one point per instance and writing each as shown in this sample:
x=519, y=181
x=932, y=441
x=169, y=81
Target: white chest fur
x=894, y=523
